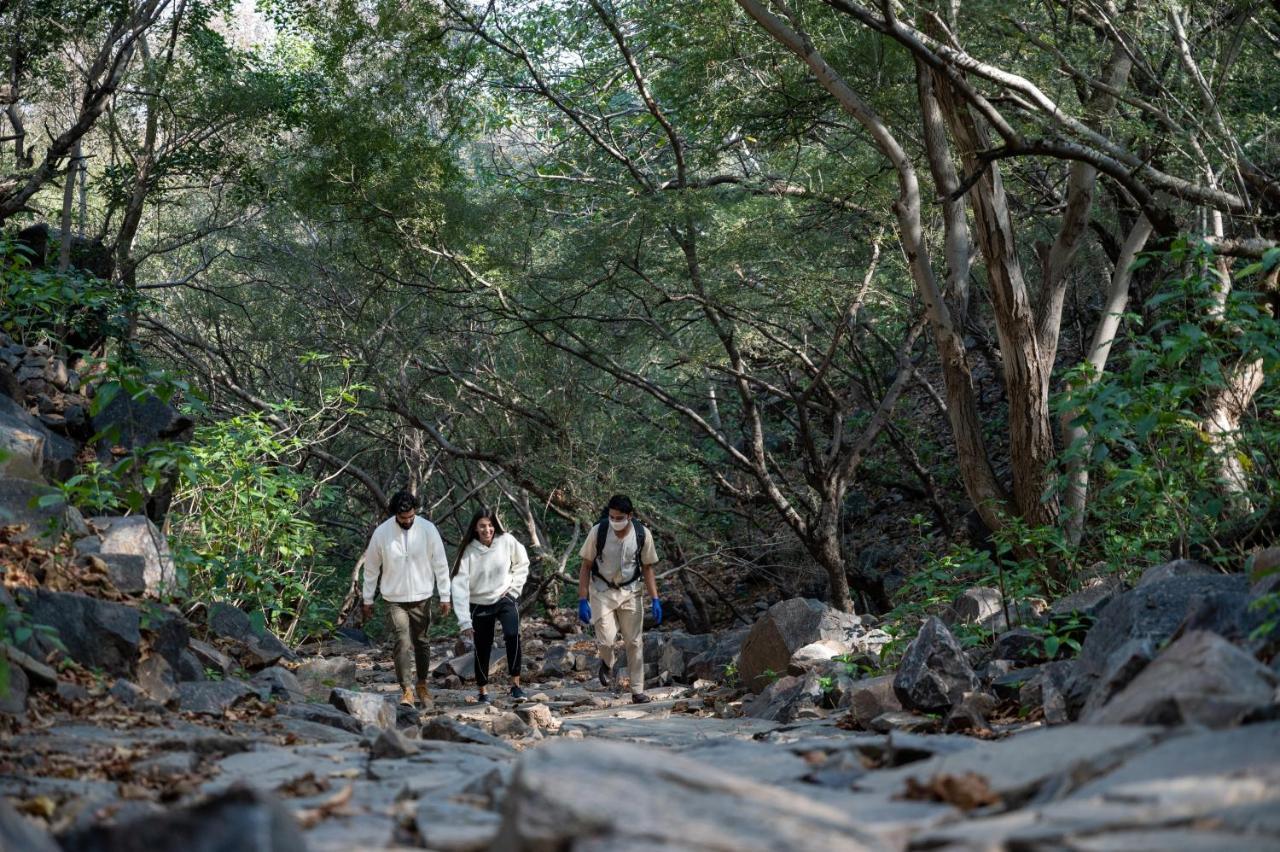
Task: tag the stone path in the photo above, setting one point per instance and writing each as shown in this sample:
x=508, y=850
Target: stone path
x=583, y=769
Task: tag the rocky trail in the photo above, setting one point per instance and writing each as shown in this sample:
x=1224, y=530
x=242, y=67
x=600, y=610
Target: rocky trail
x=312, y=752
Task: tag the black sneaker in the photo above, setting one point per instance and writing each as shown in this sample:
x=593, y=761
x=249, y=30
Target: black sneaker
x=605, y=679
x=640, y=698
x=517, y=694
x=482, y=698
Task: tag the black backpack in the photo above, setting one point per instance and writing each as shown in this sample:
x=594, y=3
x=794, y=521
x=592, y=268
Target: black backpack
x=602, y=531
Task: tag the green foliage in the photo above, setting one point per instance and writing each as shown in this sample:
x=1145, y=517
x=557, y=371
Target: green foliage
x=41, y=305
x=243, y=529
x=1162, y=473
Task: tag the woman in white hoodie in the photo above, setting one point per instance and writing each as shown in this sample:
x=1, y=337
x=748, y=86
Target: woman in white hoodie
x=487, y=579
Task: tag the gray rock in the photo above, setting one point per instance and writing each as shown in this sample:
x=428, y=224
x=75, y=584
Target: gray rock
x=712, y=663
x=788, y=626
x=20, y=506
x=537, y=716
x=318, y=677
x=1047, y=691
x=13, y=701
x=20, y=834
x=158, y=681
x=508, y=724
x=975, y=605
x=567, y=792
x=558, y=661
x=127, y=571
x=1020, y=645
x=167, y=632
x=212, y=659
x=137, y=536
x=1218, y=603
x=1122, y=667
x=131, y=695
x=229, y=622
x=1089, y=600
x=243, y=819
x=96, y=633
x=280, y=683
x=451, y=827
x=1019, y=766
x=1200, y=679
x=1176, y=568
x=785, y=698
x=816, y=655
x=263, y=650
x=189, y=667
x=392, y=744
x=37, y=451
x=322, y=714
x=371, y=708
x=213, y=697
x=40, y=675
x=912, y=723
x=934, y=673
x=464, y=666
x=871, y=697
x=132, y=423
x=448, y=729
x=678, y=652
x=970, y=713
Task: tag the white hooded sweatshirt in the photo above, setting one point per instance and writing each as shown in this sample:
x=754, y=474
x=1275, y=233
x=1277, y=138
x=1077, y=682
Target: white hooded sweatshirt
x=485, y=574
x=411, y=563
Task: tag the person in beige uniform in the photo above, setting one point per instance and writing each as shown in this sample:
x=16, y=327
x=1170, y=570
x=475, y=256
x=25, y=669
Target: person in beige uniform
x=617, y=554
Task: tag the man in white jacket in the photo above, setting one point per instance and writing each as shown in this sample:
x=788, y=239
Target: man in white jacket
x=406, y=558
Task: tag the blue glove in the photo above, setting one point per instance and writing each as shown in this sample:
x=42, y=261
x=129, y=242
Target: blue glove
x=657, y=612
x=584, y=611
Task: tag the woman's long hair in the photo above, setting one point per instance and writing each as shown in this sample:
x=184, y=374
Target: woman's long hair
x=486, y=512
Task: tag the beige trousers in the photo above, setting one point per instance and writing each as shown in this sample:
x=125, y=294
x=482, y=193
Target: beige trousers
x=614, y=611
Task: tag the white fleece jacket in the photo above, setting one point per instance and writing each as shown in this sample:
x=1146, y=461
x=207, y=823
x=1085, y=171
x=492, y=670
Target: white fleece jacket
x=411, y=564
x=485, y=574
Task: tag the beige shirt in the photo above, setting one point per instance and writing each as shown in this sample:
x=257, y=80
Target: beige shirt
x=618, y=552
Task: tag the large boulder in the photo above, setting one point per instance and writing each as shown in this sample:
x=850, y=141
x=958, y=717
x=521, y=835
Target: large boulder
x=96, y=633
x=566, y=794
x=35, y=450
x=38, y=507
x=934, y=673
x=786, y=628
x=1088, y=600
x=255, y=647
x=976, y=605
x=1200, y=679
x=133, y=423
x=242, y=818
x=677, y=652
x=1153, y=611
x=136, y=536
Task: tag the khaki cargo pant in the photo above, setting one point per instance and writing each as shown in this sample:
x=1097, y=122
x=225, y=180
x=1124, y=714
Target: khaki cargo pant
x=614, y=611
x=412, y=623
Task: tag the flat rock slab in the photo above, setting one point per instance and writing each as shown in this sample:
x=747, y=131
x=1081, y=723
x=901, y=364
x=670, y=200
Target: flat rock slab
x=569, y=793
x=673, y=732
x=268, y=767
x=762, y=762
x=1015, y=768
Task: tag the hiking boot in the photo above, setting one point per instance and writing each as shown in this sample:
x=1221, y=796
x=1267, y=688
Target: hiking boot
x=605, y=679
x=640, y=698
x=406, y=697
x=518, y=694
x=482, y=698
x=424, y=695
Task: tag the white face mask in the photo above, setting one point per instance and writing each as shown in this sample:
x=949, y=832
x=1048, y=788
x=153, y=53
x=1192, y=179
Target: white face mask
x=619, y=526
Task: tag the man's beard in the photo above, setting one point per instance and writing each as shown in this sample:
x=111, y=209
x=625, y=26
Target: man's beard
x=404, y=526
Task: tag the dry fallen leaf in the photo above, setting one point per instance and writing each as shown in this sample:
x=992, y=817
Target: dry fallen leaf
x=41, y=806
x=306, y=785
x=335, y=805
x=966, y=792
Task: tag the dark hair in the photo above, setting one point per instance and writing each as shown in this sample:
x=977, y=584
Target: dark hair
x=486, y=512
x=620, y=503
x=402, y=501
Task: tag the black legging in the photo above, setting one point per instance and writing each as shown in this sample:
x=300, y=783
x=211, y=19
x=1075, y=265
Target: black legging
x=483, y=620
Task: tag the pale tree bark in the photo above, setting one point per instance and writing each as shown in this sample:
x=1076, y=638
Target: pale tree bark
x=1104, y=336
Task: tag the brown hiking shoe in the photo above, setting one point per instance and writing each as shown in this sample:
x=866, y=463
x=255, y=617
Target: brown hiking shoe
x=424, y=695
x=406, y=697
x=640, y=698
